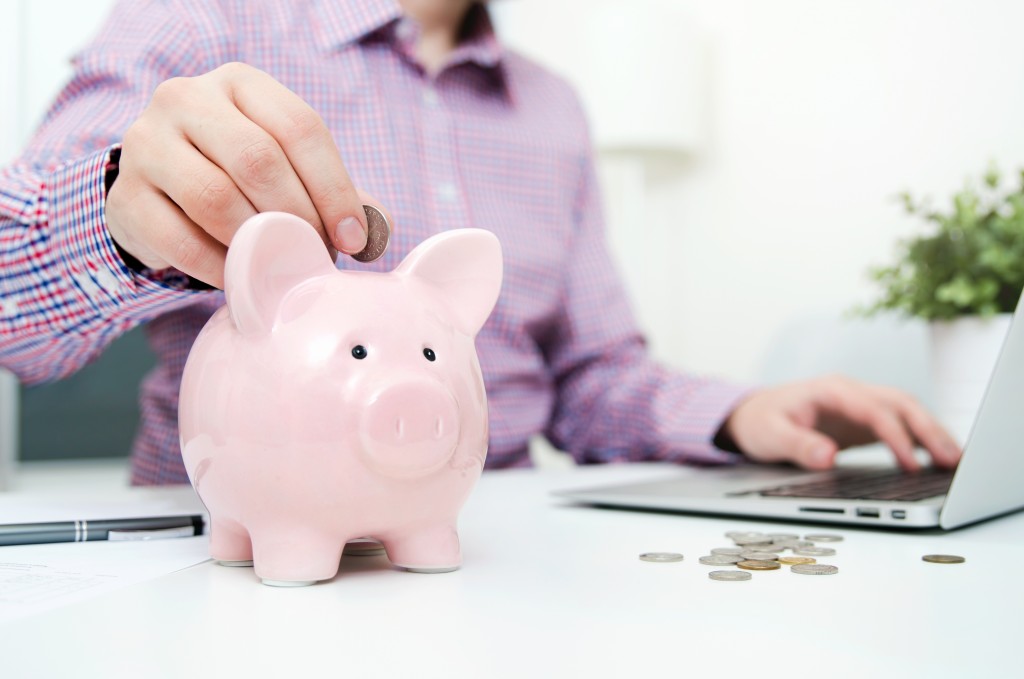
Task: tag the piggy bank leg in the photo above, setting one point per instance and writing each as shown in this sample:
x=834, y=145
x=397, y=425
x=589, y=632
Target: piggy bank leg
x=229, y=543
x=293, y=557
x=430, y=550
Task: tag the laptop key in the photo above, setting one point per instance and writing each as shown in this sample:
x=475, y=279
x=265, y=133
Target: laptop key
x=870, y=485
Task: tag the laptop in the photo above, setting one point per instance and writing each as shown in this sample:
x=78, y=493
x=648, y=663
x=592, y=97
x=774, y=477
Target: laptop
x=989, y=481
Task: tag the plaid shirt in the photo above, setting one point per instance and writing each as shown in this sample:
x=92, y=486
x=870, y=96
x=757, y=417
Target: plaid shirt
x=491, y=141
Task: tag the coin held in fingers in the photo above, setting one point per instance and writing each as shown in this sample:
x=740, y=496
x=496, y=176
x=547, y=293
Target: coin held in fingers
x=378, y=235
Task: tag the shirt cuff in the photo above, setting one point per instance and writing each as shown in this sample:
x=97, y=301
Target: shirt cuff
x=690, y=432
x=87, y=254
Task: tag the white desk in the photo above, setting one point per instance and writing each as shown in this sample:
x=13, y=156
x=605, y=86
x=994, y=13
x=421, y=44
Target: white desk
x=549, y=590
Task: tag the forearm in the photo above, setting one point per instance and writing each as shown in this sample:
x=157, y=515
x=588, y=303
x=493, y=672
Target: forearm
x=65, y=293
x=625, y=407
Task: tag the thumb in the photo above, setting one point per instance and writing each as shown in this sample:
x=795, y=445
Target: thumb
x=806, y=447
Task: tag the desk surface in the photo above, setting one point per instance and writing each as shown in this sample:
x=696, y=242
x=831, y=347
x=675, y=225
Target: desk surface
x=550, y=589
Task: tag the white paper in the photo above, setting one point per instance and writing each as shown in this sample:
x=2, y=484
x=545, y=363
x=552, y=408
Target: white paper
x=37, y=578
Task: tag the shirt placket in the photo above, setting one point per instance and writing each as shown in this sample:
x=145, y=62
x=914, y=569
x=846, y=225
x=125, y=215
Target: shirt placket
x=443, y=183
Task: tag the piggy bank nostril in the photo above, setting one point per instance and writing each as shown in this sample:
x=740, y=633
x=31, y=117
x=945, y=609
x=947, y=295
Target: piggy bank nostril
x=399, y=427
x=438, y=428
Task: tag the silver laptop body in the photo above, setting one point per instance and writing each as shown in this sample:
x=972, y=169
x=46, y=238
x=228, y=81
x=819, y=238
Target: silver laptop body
x=989, y=480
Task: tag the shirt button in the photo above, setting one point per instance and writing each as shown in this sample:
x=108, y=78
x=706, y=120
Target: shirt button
x=430, y=98
x=447, y=192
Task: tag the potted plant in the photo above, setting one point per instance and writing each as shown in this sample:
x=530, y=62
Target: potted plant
x=964, y=277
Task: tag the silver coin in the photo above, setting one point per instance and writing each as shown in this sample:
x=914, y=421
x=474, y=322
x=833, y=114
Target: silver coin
x=760, y=556
x=752, y=539
x=814, y=569
x=378, y=235
x=363, y=547
x=783, y=536
x=729, y=551
x=769, y=547
x=720, y=559
x=661, y=557
x=730, y=576
x=793, y=544
x=824, y=537
x=943, y=558
x=814, y=551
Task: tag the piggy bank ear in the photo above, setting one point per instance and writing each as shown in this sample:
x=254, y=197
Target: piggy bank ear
x=465, y=267
x=269, y=255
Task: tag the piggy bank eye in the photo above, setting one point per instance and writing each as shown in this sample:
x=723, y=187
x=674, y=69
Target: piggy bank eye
x=359, y=352
x=429, y=353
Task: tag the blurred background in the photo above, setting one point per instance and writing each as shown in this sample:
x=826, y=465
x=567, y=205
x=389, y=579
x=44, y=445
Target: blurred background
x=751, y=153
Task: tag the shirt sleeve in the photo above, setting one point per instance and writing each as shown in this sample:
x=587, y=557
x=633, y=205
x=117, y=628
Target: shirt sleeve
x=615, y=403
x=65, y=293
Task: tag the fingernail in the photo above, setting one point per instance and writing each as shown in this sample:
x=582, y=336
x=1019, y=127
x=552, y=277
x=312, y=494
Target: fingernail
x=350, y=236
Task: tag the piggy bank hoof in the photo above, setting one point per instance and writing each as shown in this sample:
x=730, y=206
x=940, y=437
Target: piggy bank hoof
x=428, y=569
x=288, y=583
x=235, y=564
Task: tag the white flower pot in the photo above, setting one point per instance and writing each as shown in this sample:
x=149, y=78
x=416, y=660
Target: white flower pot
x=963, y=353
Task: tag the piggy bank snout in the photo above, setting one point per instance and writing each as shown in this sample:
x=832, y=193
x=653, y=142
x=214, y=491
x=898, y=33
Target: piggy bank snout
x=410, y=429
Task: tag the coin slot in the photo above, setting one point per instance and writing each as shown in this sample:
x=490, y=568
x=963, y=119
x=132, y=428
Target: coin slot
x=869, y=512
x=823, y=510
x=899, y=513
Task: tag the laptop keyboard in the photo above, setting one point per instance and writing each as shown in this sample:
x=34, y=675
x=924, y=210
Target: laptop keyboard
x=870, y=484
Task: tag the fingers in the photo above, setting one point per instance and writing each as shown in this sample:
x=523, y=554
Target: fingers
x=170, y=237
x=309, y=149
x=854, y=402
x=943, y=449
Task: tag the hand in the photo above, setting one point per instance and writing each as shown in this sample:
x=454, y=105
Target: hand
x=211, y=151
x=809, y=422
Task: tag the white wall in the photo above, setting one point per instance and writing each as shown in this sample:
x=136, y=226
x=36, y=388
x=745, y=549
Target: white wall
x=817, y=114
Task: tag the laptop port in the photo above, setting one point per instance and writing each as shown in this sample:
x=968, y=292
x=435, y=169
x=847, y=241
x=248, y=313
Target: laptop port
x=869, y=512
x=899, y=513
x=824, y=510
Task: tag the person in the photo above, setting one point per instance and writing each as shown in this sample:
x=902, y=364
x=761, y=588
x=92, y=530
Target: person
x=185, y=118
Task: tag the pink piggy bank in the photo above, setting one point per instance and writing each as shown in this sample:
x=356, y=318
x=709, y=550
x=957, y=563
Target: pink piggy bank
x=320, y=406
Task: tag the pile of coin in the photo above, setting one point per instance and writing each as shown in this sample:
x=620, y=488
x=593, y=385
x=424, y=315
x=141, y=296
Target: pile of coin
x=755, y=551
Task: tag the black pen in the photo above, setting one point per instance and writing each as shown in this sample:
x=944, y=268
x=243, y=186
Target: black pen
x=101, y=529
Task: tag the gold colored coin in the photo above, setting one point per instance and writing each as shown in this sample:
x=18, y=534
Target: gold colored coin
x=758, y=565
x=794, y=560
x=943, y=558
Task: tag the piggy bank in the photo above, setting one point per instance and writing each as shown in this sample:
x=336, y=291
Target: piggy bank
x=321, y=406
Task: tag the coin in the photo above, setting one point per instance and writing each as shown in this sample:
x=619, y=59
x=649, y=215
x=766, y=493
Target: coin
x=783, y=536
x=751, y=539
x=796, y=560
x=363, y=547
x=378, y=235
x=814, y=569
x=729, y=576
x=730, y=551
x=943, y=558
x=824, y=537
x=814, y=551
x=753, y=565
x=720, y=559
x=760, y=556
x=661, y=557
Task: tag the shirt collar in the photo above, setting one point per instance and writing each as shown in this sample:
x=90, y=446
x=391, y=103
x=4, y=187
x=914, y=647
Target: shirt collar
x=341, y=22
